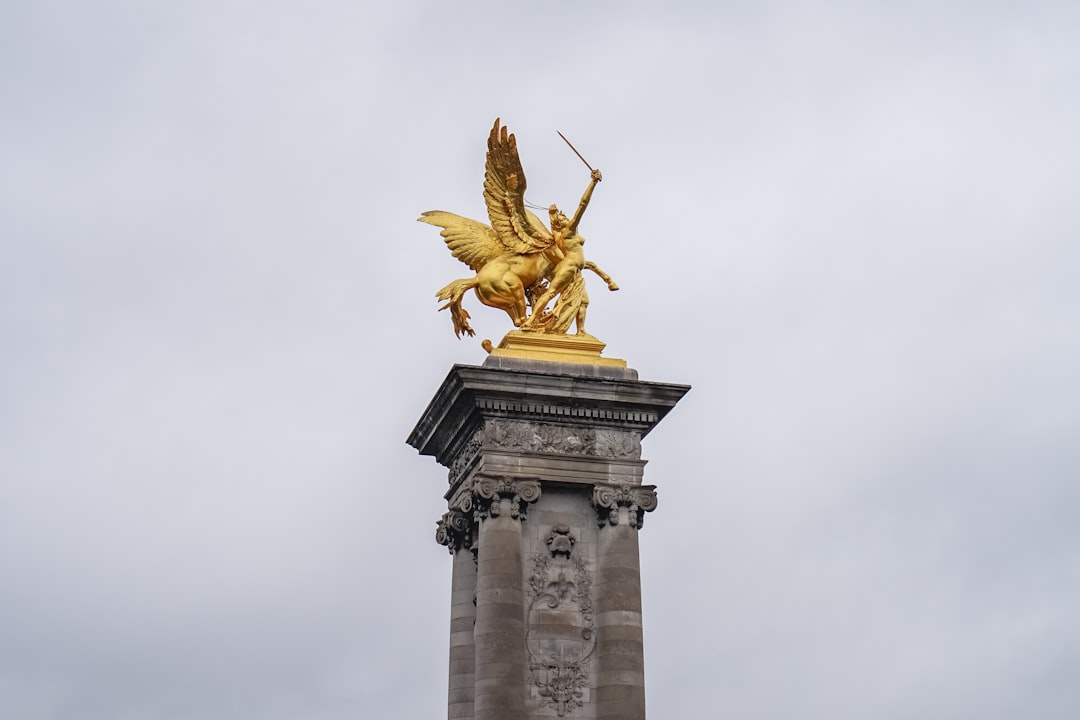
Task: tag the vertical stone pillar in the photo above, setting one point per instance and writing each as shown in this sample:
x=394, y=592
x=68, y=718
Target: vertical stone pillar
x=500, y=598
x=455, y=530
x=620, y=656
x=546, y=494
x=462, y=644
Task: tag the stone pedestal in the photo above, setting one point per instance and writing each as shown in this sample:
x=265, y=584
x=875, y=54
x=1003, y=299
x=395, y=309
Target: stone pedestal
x=545, y=503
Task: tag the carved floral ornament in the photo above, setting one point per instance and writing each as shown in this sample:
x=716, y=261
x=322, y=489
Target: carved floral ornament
x=559, y=664
x=535, y=437
x=464, y=458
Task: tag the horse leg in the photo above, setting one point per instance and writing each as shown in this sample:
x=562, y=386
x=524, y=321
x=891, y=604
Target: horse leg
x=590, y=265
x=505, y=292
x=516, y=308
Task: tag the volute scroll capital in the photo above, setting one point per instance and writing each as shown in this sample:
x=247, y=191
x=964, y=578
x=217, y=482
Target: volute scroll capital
x=489, y=490
x=455, y=530
x=637, y=499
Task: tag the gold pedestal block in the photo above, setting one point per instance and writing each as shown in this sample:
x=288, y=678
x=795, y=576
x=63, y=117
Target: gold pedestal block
x=581, y=349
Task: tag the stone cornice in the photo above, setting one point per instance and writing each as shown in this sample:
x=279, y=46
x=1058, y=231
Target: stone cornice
x=470, y=394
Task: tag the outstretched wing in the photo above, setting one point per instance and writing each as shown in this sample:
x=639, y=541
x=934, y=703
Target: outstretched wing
x=470, y=241
x=504, y=192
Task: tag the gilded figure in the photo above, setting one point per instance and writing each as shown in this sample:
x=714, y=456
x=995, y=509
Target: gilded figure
x=521, y=266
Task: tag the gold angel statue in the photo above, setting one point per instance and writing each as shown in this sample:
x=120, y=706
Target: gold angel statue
x=519, y=263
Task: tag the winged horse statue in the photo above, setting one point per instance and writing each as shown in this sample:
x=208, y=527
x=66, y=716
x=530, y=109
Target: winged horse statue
x=520, y=265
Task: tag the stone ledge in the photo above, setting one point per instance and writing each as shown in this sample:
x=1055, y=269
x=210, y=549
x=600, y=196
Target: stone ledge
x=471, y=395
x=560, y=368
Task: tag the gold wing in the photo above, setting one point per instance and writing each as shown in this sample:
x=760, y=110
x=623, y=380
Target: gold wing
x=504, y=192
x=470, y=241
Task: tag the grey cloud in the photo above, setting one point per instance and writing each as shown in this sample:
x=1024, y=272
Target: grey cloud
x=852, y=229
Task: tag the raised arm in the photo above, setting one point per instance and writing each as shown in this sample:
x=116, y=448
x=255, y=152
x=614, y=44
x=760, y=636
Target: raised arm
x=595, y=178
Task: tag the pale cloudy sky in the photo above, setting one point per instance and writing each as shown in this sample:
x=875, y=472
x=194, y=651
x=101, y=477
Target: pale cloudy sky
x=852, y=227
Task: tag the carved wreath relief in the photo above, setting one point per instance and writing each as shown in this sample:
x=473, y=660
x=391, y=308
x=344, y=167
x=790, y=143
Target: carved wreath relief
x=559, y=657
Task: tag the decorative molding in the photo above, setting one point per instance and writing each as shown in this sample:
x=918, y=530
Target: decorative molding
x=551, y=409
x=488, y=490
x=535, y=437
x=465, y=457
x=559, y=666
x=637, y=499
x=455, y=530
x=560, y=541
x=462, y=500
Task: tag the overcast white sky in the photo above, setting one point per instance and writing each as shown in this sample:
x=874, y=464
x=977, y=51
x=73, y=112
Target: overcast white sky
x=852, y=227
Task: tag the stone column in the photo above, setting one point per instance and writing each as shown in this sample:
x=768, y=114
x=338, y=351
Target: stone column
x=620, y=656
x=500, y=598
x=455, y=530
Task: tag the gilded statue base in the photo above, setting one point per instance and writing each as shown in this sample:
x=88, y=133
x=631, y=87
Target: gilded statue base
x=581, y=349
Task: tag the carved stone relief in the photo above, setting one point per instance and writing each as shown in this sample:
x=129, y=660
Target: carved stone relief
x=560, y=541
x=489, y=490
x=560, y=639
x=465, y=457
x=637, y=499
x=563, y=440
x=455, y=530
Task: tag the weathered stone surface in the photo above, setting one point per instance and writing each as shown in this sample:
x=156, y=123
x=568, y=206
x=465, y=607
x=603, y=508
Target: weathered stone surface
x=470, y=396
x=545, y=504
x=462, y=683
